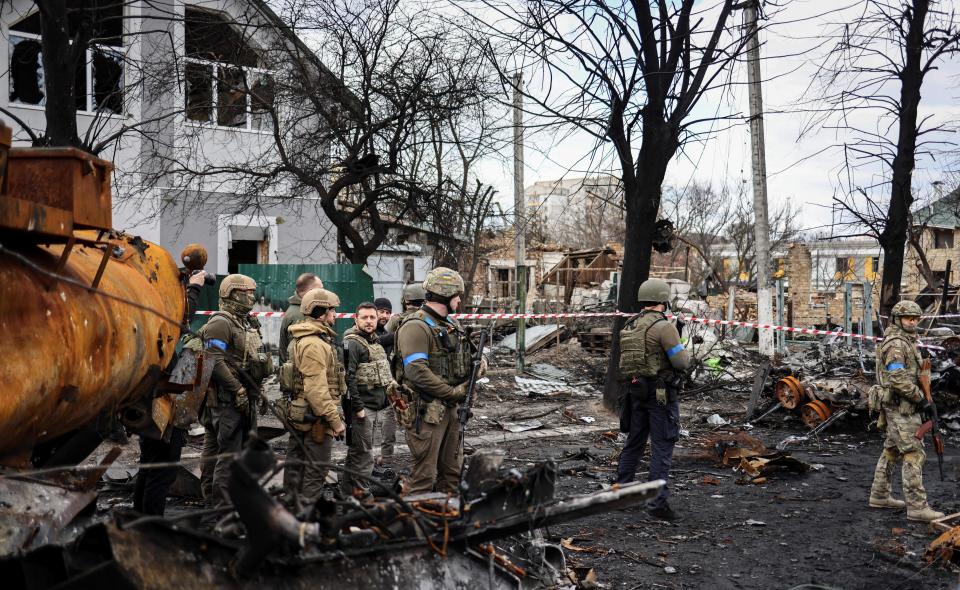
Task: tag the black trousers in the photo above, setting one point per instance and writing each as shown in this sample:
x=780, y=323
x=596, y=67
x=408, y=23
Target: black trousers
x=150, y=492
x=660, y=424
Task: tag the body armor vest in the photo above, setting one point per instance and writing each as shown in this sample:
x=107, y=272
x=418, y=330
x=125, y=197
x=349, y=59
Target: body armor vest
x=884, y=396
x=292, y=379
x=249, y=356
x=449, y=357
x=635, y=359
x=376, y=371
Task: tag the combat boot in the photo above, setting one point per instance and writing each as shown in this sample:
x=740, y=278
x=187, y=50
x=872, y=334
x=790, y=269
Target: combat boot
x=887, y=502
x=925, y=514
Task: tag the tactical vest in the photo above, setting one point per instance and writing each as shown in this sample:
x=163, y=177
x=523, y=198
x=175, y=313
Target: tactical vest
x=635, y=359
x=450, y=357
x=250, y=355
x=376, y=371
x=884, y=396
x=336, y=375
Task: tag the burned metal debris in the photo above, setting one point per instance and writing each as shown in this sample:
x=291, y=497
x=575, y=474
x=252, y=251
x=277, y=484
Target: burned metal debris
x=427, y=541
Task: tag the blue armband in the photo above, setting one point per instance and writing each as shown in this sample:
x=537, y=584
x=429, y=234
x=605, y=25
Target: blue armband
x=673, y=351
x=894, y=366
x=415, y=357
x=214, y=343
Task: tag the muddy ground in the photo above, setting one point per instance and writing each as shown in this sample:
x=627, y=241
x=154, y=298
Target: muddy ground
x=794, y=529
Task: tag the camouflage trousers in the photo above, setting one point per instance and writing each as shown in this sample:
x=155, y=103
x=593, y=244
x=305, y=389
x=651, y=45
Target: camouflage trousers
x=901, y=445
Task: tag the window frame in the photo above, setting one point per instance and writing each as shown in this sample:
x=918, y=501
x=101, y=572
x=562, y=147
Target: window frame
x=215, y=96
x=88, y=72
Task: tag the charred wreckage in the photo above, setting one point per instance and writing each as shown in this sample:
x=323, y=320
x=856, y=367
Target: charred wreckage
x=94, y=293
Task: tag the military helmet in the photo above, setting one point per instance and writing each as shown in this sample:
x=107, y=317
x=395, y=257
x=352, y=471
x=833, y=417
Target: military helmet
x=443, y=281
x=906, y=307
x=318, y=298
x=235, y=281
x=654, y=291
x=414, y=292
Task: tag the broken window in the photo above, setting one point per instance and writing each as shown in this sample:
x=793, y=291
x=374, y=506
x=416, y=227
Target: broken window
x=224, y=86
x=99, y=81
x=942, y=239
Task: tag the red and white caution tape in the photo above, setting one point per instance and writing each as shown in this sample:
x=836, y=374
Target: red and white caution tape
x=685, y=318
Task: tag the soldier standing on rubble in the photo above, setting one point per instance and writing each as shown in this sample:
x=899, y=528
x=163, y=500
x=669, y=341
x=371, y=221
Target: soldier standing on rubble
x=900, y=401
x=233, y=343
x=652, y=360
x=314, y=371
x=412, y=300
x=368, y=375
x=436, y=358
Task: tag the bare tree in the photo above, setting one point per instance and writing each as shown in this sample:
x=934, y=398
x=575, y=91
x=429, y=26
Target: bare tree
x=700, y=216
x=346, y=130
x=740, y=233
x=72, y=56
x=629, y=75
x=593, y=216
x=870, y=88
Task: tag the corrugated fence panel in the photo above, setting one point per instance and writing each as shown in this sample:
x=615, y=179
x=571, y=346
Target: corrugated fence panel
x=275, y=284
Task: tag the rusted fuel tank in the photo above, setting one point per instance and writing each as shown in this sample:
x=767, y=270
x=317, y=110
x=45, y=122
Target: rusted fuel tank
x=68, y=352
x=89, y=317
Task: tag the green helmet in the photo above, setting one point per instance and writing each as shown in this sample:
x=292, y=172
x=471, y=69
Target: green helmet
x=443, y=281
x=235, y=281
x=906, y=307
x=414, y=292
x=654, y=291
x=318, y=298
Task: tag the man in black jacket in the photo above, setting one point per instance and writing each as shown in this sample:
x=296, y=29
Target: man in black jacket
x=368, y=375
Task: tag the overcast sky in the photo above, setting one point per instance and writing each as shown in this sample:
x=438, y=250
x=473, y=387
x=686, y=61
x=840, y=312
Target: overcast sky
x=804, y=171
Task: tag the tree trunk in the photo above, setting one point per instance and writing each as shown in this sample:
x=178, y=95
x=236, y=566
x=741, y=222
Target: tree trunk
x=642, y=204
x=893, y=239
x=60, y=72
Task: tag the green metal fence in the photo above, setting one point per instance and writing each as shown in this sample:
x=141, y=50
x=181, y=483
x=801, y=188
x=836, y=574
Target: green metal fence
x=275, y=284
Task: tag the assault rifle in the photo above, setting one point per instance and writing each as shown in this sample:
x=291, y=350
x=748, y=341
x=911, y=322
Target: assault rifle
x=467, y=406
x=933, y=424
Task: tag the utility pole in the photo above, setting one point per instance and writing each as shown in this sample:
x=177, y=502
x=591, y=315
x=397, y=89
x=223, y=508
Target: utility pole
x=519, y=221
x=761, y=227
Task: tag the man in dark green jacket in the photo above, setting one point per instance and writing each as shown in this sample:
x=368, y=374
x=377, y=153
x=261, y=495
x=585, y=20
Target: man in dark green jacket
x=368, y=375
x=305, y=282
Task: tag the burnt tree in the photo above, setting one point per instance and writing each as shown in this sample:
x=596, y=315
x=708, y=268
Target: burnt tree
x=871, y=88
x=629, y=75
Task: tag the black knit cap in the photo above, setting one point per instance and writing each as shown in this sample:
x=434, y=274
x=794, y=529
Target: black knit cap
x=383, y=303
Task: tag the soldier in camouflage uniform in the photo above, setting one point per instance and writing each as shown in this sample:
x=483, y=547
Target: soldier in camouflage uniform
x=314, y=372
x=233, y=343
x=900, y=401
x=436, y=357
x=412, y=299
x=652, y=359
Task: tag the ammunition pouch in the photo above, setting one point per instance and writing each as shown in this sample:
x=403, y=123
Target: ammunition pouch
x=877, y=397
x=287, y=376
x=374, y=374
x=297, y=411
x=408, y=415
x=434, y=411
